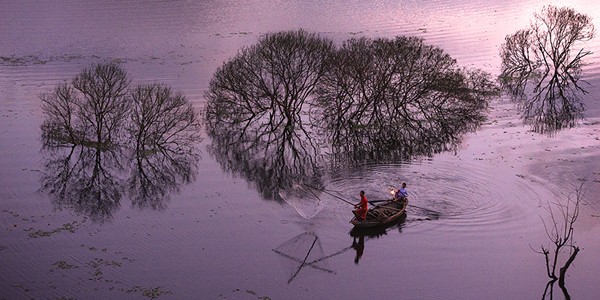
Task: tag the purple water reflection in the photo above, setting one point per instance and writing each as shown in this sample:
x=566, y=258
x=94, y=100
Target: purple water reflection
x=215, y=238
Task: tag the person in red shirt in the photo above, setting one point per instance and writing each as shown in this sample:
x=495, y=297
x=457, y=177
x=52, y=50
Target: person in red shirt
x=362, y=207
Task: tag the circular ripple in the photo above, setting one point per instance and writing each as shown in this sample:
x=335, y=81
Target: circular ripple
x=452, y=193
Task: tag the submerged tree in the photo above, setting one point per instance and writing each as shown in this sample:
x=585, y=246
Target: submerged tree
x=560, y=231
x=257, y=99
x=542, y=67
x=91, y=110
x=107, y=124
x=399, y=95
x=280, y=108
x=164, y=127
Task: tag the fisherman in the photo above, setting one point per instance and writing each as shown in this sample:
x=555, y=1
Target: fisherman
x=361, y=208
x=402, y=193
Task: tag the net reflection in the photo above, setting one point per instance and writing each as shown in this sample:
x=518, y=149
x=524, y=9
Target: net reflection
x=305, y=251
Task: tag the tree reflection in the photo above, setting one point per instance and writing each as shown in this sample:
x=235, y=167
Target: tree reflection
x=155, y=176
x=541, y=68
x=273, y=165
x=103, y=140
x=85, y=180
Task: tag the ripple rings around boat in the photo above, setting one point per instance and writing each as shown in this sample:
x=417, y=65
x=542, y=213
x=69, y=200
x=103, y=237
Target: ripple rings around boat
x=461, y=190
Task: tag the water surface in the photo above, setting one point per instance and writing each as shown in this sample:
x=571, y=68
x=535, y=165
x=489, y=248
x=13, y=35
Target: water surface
x=216, y=236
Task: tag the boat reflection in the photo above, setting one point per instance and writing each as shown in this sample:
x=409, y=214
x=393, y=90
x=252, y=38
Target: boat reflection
x=359, y=234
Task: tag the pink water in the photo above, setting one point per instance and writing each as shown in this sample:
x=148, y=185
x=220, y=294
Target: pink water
x=215, y=237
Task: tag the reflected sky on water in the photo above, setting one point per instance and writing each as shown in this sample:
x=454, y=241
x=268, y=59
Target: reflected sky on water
x=215, y=236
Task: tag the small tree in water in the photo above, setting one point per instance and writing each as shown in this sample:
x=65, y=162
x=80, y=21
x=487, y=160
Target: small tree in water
x=541, y=67
x=149, y=129
x=91, y=110
x=560, y=232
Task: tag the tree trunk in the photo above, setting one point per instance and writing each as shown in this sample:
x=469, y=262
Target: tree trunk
x=563, y=270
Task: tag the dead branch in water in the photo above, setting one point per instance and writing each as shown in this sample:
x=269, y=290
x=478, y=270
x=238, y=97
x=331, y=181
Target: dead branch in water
x=560, y=233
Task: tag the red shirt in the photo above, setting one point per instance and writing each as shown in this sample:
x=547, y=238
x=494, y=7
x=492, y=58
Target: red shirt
x=364, y=204
x=363, y=207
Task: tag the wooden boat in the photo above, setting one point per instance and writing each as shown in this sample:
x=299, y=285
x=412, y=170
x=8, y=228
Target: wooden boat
x=382, y=214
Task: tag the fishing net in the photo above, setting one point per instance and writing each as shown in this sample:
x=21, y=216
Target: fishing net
x=304, y=200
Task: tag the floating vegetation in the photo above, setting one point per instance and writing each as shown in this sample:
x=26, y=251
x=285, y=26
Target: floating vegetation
x=18, y=61
x=70, y=227
x=151, y=293
x=63, y=265
x=22, y=287
x=12, y=213
x=95, y=270
x=96, y=265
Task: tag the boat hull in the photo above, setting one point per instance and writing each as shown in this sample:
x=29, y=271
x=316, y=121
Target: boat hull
x=382, y=215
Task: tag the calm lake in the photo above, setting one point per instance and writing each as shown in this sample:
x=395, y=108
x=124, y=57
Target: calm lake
x=214, y=236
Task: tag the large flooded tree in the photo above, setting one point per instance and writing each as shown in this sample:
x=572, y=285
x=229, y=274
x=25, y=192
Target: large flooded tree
x=542, y=67
x=255, y=106
x=280, y=108
x=399, y=95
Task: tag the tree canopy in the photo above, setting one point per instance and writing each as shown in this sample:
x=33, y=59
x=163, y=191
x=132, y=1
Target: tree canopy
x=282, y=107
x=542, y=67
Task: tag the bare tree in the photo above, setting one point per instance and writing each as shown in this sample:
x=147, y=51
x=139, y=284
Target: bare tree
x=59, y=127
x=162, y=119
x=400, y=94
x=104, y=104
x=542, y=67
x=258, y=98
x=89, y=111
x=560, y=231
x=165, y=128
